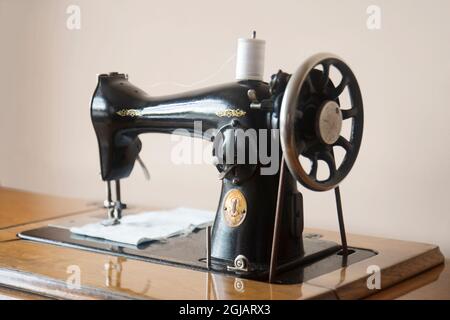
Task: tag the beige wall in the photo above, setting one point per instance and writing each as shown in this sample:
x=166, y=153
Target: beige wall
x=399, y=186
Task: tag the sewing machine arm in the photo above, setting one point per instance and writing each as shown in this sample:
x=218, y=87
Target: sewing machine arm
x=120, y=112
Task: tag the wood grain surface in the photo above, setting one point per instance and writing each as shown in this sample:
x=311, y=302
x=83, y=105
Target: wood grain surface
x=41, y=270
x=19, y=207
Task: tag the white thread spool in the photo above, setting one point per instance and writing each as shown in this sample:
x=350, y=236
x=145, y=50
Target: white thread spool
x=250, y=59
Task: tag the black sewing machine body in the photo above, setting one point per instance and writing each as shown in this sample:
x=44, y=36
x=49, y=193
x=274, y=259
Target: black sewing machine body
x=121, y=111
x=259, y=219
x=258, y=228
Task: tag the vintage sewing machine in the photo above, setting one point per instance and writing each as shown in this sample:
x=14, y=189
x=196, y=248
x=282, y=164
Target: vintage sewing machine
x=258, y=228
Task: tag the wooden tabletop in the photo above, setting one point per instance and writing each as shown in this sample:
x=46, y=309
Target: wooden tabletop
x=433, y=284
x=19, y=207
x=31, y=270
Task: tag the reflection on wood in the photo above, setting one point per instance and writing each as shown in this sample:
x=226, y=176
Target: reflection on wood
x=39, y=270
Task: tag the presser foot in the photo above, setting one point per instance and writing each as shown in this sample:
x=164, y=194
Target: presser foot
x=114, y=214
x=114, y=207
x=110, y=222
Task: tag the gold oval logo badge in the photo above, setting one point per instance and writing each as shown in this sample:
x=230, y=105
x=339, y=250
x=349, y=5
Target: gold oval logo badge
x=234, y=208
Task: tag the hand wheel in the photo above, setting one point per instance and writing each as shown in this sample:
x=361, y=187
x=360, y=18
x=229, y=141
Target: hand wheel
x=311, y=121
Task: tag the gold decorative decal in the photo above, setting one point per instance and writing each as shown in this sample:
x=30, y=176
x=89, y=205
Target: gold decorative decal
x=129, y=113
x=229, y=113
x=234, y=208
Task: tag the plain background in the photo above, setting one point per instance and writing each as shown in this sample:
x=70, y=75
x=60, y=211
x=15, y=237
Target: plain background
x=399, y=185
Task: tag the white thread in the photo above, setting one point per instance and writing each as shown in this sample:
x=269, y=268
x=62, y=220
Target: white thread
x=250, y=59
x=196, y=83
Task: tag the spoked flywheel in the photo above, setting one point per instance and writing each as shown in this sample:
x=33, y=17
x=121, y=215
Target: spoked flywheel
x=311, y=120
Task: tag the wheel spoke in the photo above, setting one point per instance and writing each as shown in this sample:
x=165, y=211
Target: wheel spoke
x=310, y=144
x=344, y=143
x=350, y=113
x=328, y=157
x=314, y=166
x=301, y=146
x=310, y=84
x=336, y=92
x=325, y=75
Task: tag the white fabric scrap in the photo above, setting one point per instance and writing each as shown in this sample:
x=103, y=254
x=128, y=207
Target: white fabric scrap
x=149, y=226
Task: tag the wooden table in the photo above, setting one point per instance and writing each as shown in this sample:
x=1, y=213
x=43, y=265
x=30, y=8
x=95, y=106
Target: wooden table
x=31, y=270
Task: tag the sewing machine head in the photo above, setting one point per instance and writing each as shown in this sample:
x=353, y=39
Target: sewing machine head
x=259, y=220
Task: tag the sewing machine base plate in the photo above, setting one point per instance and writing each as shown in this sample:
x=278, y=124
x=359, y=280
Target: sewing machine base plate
x=321, y=256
